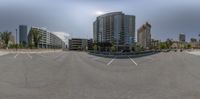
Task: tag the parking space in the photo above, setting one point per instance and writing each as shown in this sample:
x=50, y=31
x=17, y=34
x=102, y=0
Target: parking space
x=68, y=75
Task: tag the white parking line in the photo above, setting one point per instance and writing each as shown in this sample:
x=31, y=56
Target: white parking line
x=41, y=54
x=133, y=61
x=16, y=55
x=111, y=61
x=59, y=55
x=29, y=55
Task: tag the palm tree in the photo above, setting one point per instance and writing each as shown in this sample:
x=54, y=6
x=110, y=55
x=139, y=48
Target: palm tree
x=35, y=36
x=169, y=43
x=5, y=38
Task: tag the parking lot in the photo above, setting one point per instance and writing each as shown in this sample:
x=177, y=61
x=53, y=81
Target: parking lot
x=78, y=75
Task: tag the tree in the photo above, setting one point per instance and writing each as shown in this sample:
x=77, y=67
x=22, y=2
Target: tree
x=36, y=36
x=163, y=45
x=139, y=48
x=188, y=46
x=95, y=47
x=169, y=43
x=5, y=38
x=113, y=48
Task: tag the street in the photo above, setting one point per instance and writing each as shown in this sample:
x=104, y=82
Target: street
x=78, y=75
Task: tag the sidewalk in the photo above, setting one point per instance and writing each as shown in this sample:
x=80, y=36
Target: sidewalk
x=194, y=52
x=3, y=53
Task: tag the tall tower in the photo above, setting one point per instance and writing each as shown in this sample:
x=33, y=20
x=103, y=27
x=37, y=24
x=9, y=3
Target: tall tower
x=182, y=37
x=23, y=32
x=144, y=35
x=116, y=28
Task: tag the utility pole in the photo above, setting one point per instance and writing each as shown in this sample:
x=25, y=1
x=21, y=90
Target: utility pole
x=16, y=40
x=199, y=41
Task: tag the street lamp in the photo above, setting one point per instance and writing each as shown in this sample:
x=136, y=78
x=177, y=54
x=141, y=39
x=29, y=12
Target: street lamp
x=199, y=40
x=16, y=40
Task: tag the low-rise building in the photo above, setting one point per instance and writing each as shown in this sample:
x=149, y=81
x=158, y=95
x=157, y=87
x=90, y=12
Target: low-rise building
x=90, y=44
x=78, y=44
x=48, y=40
x=194, y=43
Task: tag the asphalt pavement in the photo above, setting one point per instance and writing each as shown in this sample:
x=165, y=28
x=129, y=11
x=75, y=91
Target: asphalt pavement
x=78, y=75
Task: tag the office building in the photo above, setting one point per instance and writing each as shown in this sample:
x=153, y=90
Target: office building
x=64, y=37
x=194, y=43
x=78, y=44
x=182, y=37
x=48, y=39
x=115, y=28
x=56, y=42
x=90, y=44
x=23, y=32
x=193, y=40
x=144, y=35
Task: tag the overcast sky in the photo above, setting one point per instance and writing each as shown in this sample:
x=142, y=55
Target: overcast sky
x=168, y=17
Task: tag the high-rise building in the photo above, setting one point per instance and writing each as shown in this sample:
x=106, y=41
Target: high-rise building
x=144, y=35
x=116, y=28
x=23, y=32
x=182, y=37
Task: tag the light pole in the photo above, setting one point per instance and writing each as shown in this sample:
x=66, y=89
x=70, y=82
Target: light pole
x=199, y=41
x=16, y=40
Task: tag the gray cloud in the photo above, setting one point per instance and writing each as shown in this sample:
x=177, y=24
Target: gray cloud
x=168, y=18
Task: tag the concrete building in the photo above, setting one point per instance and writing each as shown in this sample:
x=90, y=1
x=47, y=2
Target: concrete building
x=144, y=35
x=90, y=44
x=116, y=28
x=56, y=42
x=194, y=43
x=193, y=40
x=23, y=34
x=64, y=37
x=48, y=40
x=182, y=37
x=78, y=44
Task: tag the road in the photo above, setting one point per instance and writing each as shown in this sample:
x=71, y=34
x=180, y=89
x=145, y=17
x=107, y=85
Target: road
x=78, y=75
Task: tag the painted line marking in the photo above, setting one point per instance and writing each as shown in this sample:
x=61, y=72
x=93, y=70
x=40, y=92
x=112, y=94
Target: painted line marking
x=111, y=61
x=16, y=55
x=29, y=55
x=41, y=54
x=133, y=61
x=59, y=55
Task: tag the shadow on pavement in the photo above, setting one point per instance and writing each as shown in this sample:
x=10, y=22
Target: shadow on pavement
x=124, y=56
